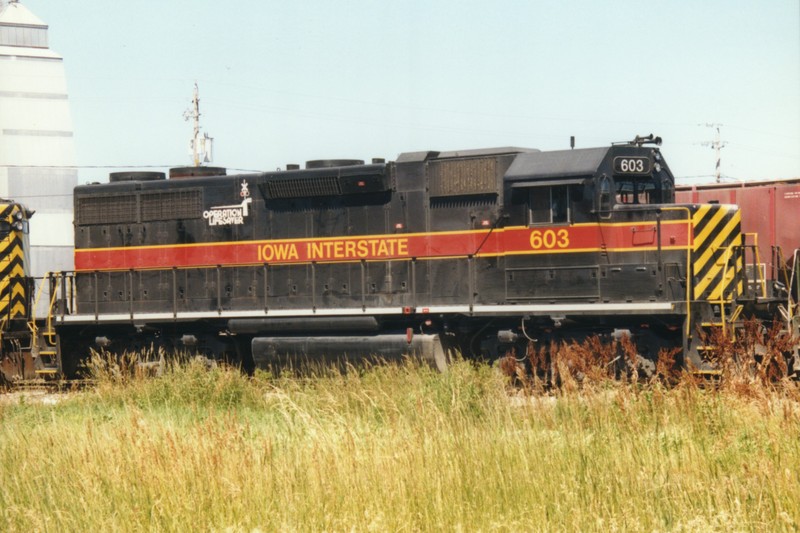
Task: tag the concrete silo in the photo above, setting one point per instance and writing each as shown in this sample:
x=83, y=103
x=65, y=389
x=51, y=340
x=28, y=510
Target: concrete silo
x=36, y=140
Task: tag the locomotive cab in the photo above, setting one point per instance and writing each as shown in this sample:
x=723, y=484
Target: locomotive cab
x=603, y=242
x=578, y=186
x=641, y=177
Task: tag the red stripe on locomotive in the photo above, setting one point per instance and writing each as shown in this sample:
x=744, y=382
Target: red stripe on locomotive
x=553, y=239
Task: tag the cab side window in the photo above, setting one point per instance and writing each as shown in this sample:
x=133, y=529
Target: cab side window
x=604, y=197
x=548, y=205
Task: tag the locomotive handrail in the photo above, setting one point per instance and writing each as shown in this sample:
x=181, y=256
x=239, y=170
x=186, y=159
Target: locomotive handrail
x=32, y=326
x=760, y=280
x=69, y=303
x=658, y=244
x=792, y=279
x=47, y=275
x=726, y=260
x=729, y=251
x=53, y=297
x=689, y=274
x=779, y=265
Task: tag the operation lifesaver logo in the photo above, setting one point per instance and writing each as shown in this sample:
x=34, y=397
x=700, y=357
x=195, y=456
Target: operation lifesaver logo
x=230, y=215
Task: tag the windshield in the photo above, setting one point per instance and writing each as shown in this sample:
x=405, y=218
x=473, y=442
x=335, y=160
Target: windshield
x=637, y=192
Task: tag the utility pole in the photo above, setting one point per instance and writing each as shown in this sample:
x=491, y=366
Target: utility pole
x=717, y=145
x=199, y=146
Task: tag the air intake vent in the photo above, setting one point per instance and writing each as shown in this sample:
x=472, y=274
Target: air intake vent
x=125, y=208
x=329, y=163
x=463, y=177
x=196, y=172
x=135, y=176
x=303, y=187
x=106, y=209
x=171, y=205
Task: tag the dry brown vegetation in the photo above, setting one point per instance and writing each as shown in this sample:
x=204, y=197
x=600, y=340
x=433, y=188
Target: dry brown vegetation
x=756, y=360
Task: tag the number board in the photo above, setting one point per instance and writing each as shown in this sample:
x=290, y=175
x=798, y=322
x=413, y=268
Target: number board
x=632, y=165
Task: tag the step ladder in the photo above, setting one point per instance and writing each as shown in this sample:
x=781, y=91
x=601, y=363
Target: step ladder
x=44, y=341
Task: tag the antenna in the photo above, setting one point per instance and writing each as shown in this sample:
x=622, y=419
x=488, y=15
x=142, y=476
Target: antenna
x=200, y=146
x=717, y=145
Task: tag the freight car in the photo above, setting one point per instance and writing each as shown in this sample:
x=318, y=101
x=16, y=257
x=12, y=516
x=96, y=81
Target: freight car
x=769, y=222
x=479, y=251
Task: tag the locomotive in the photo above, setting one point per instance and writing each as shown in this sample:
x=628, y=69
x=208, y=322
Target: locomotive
x=477, y=252
x=17, y=358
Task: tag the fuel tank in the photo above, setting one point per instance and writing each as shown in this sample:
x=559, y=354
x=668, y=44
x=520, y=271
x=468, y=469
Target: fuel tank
x=297, y=351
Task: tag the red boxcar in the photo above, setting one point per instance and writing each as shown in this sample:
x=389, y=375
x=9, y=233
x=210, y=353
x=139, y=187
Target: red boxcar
x=770, y=209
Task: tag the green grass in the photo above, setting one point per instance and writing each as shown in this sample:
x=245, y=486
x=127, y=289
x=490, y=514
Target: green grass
x=398, y=448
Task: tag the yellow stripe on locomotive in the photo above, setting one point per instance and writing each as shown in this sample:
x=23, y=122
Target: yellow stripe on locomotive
x=716, y=258
x=13, y=262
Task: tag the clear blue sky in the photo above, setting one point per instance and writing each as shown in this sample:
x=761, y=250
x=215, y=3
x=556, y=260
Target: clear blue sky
x=284, y=82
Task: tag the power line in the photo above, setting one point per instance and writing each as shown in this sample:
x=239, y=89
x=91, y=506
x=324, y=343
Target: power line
x=693, y=177
x=172, y=165
x=21, y=196
x=90, y=166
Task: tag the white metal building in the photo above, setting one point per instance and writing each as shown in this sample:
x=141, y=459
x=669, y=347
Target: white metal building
x=37, y=154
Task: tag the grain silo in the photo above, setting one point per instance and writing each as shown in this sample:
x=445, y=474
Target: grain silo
x=37, y=157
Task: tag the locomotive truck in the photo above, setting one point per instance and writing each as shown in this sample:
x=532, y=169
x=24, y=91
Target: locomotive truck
x=477, y=252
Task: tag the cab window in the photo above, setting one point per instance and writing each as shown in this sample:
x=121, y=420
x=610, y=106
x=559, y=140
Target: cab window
x=637, y=192
x=604, y=197
x=548, y=205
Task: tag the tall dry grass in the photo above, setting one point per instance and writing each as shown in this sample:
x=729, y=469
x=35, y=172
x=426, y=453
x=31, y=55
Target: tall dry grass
x=399, y=447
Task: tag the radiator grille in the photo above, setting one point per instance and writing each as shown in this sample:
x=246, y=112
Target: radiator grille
x=171, y=205
x=461, y=203
x=303, y=187
x=465, y=176
x=125, y=208
x=106, y=209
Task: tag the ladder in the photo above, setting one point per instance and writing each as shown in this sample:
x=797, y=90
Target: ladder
x=44, y=341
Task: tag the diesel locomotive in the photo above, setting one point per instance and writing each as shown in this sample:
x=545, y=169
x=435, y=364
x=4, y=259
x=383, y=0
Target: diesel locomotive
x=477, y=252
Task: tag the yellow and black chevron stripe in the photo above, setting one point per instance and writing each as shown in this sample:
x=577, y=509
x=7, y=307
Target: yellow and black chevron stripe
x=13, y=283
x=716, y=257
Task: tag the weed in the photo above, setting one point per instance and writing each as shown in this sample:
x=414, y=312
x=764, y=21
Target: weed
x=400, y=446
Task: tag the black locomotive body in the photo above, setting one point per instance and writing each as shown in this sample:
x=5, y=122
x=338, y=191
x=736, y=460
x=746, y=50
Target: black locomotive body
x=478, y=251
